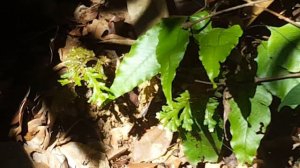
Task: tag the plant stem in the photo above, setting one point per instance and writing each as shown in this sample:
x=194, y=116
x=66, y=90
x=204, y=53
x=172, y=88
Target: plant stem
x=259, y=80
x=275, y=78
x=192, y=23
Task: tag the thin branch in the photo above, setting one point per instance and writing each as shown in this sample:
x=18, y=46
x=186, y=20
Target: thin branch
x=209, y=83
x=192, y=23
x=275, y=78
x=280, y=16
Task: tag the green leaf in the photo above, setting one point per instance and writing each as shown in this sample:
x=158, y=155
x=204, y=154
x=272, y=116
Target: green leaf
x=209, y=113
x=247, y=133
x=177, y=114
x=201, y=147
x=139, y=65
x=172, y=44
x=215, y=47
x=278, y=57
x=284, y=43
x=202, y=24
x=292, y=98
x=264, y=62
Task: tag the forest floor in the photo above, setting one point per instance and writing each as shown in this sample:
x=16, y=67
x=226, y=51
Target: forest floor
x=54, y=126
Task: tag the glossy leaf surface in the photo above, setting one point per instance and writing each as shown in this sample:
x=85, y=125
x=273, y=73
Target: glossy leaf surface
x=171, y=47
x=248, y=132
x=215, y=46
x=139, y=65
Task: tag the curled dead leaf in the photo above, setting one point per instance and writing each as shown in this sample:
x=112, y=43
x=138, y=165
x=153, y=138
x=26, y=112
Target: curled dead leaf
x=98, y=28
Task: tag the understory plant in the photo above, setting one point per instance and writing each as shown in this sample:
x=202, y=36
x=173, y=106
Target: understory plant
x=235, y=109
x=78, y=73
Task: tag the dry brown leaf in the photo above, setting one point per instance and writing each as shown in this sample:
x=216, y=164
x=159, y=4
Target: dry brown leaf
x=115, y=153
x=98, y=1
x=39, y=139
x=38, y=135
x=119, y=134
x=77, y=32
x=173, y=162
x=156, y=9
x=255, y=11
x=147, y=92
x=296, y=12
x=81, y=155
x=153, y=144
x=83, y=14
x=18, y=119
x=142, y=165
x=116, y=39
x=51, y=159
x=215, y=165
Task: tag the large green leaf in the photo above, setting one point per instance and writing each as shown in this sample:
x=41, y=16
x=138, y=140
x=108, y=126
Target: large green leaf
x=172, y=44
x=215, y=46
x=284, y=43
x=292, y=98
x=200, y=147
x=279, y=56
x=139, y=65
x=247, y=133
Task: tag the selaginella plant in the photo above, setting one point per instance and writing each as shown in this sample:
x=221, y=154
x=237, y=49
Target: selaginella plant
x=78, y=72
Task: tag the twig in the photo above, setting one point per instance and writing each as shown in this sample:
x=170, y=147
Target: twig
x=275, y=78
x=280, y=16
x=192, y=23
x=209, y=83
